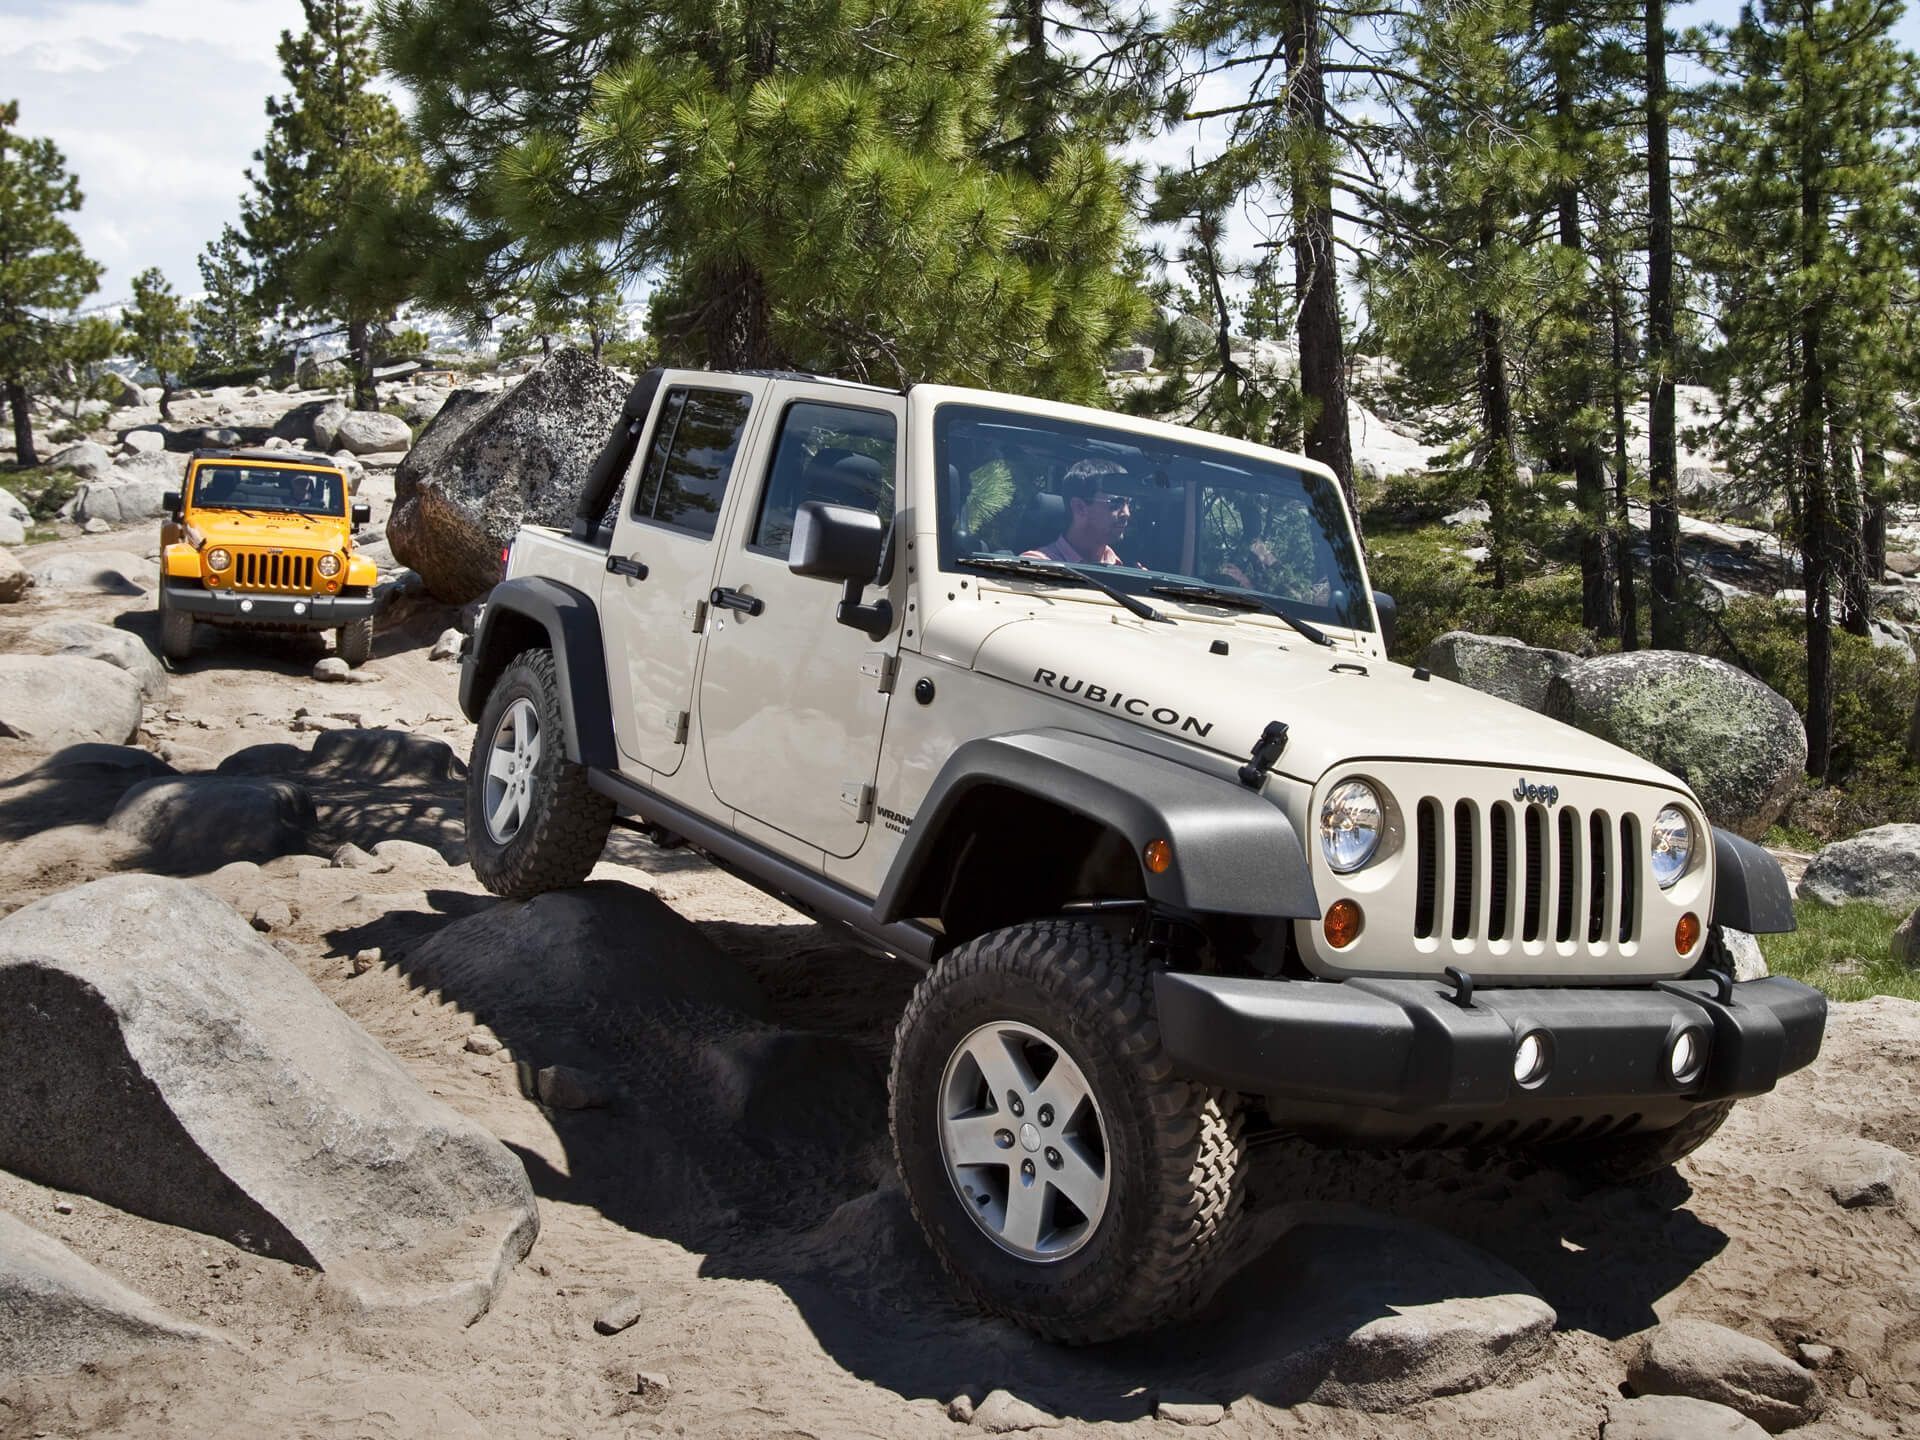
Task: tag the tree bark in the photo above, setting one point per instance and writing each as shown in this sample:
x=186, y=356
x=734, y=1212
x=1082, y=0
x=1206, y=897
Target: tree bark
x=1496, y=415
x=738, y=325
x=23, y=450
x=166, y=400
x=1873, y=529
x=1597, y=610
x=1851, y=553
x=1662, y=457
x=360, y=362
x=1323, y=365
x=1816, y=517
x=1622, y=473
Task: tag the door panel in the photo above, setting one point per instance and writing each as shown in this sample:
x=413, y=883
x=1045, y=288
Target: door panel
x=791, y=708
x=653, y=599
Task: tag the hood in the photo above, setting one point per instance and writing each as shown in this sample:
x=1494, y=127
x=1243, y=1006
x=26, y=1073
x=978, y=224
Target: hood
x=1338, y=706
x=270, y=527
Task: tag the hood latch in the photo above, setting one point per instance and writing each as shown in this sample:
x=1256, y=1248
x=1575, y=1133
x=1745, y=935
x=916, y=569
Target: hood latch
x=1266, y=754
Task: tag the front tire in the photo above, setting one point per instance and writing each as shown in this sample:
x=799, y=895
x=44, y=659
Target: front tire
x=355, y=641
x=1065, y=1177
x=176, y=628
x=533, y=822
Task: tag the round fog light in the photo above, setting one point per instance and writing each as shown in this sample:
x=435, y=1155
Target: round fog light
x=1343, y=923
x=299, y=607
x=1530, y=1059
x=1687, y=1058
x=246, y=605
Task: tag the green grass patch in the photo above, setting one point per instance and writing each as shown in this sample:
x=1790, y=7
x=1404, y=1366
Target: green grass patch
x=1845, y=952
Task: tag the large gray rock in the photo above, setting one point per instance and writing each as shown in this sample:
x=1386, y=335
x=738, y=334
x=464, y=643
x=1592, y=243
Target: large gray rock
x=58, y=1313
x=1881, y=865
x=1739, y=744
x=87, y=460
x=93, y=641
x=1676, y=1417
x=1863, y=1174
x=160, y=467
x=192, y=824
x=324, y=428
x=13, y=579
x=163, y=1058
x=111, y=572
x=1906, y=941
x=121, y=500
x=1687, y=1356
x=1352, y=1308
x=58, y=700
x=490, y=463
x=368, y=432
x=1499, y=665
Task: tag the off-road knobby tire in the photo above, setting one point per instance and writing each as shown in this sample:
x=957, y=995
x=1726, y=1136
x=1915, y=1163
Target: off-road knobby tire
x=565, y=829
x=355, y=641
x=1623, y=1158
x=176, y=629
x=1173, y=1148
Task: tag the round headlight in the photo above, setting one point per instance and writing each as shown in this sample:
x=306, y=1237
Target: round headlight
x=1672, y=843
x=1350, y=825
x=218, y=559
x=329, y=565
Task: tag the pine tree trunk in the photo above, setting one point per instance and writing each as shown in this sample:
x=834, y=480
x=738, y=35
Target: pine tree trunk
x=1622, y=470
x=1816, y=511
x=737, y=319
x=1662, y=457
x=1873, y=529
x=360, y=362
x=1323, y=365
x=23, y=450
x=166, y=400
x=1496, y=415
x=1597, y=610
x=1851, y=552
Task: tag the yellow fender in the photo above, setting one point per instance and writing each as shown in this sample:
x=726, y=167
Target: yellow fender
x=181, y=559
x=361, y=571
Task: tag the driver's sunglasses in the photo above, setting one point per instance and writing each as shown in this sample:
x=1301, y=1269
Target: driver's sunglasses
x=1115, y=503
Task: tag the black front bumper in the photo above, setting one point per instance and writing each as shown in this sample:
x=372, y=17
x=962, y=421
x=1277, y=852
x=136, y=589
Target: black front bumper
x=1402, y=1060
x=252, y=607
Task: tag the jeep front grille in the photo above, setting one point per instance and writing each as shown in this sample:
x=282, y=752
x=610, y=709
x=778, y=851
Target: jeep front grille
x=1525, y=872
x=273, y=570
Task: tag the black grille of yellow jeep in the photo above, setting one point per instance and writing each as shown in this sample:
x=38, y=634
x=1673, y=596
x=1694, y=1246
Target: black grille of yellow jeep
x=1526, y=874
x=273, y=570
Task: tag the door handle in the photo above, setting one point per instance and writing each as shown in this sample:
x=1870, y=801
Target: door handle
x=725, y=599
x=620, y=565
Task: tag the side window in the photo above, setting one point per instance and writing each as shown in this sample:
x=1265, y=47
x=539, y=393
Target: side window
x=825, y=452
x=692, y=456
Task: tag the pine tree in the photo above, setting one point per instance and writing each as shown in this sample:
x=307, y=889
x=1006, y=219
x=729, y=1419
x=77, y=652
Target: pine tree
x=159, y=333
x=335, y=223
x=227, y=319
x=802, y=179
x=1806, y=166
x=43, y=270
x=82, y=345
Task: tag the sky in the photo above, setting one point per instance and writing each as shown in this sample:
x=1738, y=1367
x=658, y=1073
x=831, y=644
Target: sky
x=159, y=105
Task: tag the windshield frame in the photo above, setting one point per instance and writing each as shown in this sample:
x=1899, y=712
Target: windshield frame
x=1156, y=454
x=202, y=470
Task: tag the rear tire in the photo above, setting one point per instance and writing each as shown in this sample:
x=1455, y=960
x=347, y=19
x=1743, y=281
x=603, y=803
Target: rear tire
x=176, y=628
x=533, y=822
x=355, y=642
x=1624, y=1158
x=1085, y=1218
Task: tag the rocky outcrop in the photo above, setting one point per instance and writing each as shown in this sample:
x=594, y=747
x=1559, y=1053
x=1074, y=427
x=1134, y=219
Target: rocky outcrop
x=168, y=1061
x=1881, y=865
x=112, y=572
x=14, y=579
x=369, y=432
x=191, y=824
x=1499, y=665
x=490, y=463
x=87, y=460
x=1697, y=1358
x=1676, y=1417
x=57, y=700
x=1863, y=1174
x=1906, y=941
x=61, y=1313
x=120, y=501
x=1740, y=745
x=92, y=641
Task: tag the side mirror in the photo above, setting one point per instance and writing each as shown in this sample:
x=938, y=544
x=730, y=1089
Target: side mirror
x=1389, y=616
x=841, y=542
x=361, y=513
x=171, y=503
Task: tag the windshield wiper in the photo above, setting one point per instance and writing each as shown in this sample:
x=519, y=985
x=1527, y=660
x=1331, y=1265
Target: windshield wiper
x=1241, y=600
x=1060, y=571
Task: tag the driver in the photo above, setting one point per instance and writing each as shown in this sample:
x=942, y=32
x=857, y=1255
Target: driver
x=1095, y=516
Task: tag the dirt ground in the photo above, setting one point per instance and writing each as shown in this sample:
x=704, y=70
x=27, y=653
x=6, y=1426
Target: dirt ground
x=742, y=1185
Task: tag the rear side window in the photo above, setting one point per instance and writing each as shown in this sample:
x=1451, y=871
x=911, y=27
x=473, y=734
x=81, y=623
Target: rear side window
x=691, y=459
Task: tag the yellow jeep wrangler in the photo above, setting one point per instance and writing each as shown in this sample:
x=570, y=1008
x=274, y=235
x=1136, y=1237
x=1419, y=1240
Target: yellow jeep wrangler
x=264, y=538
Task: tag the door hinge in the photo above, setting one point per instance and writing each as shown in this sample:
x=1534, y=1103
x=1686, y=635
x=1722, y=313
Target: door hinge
x=882, y=667
x=677, y=725
x=859, y=799
x=698, y=614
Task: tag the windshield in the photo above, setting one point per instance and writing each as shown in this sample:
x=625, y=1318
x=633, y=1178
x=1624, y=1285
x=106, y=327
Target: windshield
x=269, y=487
x=1147, y=512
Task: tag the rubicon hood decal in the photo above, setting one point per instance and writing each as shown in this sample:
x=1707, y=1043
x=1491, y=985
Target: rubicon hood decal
x=1110, y=697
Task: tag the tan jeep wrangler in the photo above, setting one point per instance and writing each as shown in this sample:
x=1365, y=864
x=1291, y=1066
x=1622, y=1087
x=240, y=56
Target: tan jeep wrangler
x=264, y=539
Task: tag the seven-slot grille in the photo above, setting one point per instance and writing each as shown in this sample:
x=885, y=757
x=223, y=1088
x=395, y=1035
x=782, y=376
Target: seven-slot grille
x=273, y=570
x=1526, y=872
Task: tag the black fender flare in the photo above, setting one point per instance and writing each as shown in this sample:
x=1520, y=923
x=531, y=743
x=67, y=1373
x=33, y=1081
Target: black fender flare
x=1234, y=852
x=520, y=612
x=1749, y=891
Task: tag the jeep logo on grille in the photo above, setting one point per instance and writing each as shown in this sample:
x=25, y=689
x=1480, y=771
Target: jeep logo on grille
x=1545, y=794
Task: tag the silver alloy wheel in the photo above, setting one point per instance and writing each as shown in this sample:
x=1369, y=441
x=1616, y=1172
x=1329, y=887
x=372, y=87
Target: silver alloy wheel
x=511, y=760
x=1023, y=1141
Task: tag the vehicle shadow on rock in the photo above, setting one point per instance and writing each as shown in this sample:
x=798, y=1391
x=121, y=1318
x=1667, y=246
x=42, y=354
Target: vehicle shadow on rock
x=736, y=1085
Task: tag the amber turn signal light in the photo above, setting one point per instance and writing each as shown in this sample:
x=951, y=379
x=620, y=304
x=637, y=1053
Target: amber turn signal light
x=1158, y=855
x=1686, y=934
x=1343, y=923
